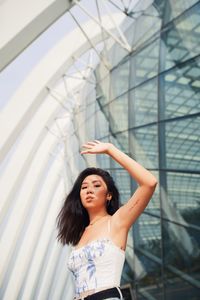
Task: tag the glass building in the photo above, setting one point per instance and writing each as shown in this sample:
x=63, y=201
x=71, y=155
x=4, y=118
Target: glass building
x=120, y=71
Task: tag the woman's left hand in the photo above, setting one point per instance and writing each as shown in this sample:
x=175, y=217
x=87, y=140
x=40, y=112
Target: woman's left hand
x=96, y=147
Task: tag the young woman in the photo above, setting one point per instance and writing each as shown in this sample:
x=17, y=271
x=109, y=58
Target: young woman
x=92, y=221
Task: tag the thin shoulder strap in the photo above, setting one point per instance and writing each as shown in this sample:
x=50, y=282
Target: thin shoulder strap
x=109, y=226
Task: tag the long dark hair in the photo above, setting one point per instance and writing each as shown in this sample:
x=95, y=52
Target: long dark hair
x=73, y=217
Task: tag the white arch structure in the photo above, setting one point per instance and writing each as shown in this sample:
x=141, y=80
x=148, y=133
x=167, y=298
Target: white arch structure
x=24, y=21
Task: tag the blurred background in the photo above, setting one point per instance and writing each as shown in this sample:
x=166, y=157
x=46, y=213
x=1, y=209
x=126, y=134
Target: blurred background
x=120, y=71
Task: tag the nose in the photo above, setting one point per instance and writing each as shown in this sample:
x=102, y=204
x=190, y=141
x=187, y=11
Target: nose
x=89, y=190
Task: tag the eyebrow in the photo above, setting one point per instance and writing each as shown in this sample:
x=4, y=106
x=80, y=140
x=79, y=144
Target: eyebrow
x=94, y=181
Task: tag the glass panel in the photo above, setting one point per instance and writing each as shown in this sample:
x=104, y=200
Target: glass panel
x=121, y=140
x=102, y=89
x=181, y=91
x=144, y=143
x=143, y=104
x=149, y=234
x=119, y=80
x=171, y=9
x=144, y=65
x=101, y=123
x=183, y=144
x=116, y=54
x=147, y=229
x=181, y=254
x=177, y=288
x=180, y=6
x=150, y=285
x=183, y=194
x=121, y=176
x=119, y=113
x=103, y=161
x=122, y=180
x=146, y=24
x=182, y=41
x=89, y=120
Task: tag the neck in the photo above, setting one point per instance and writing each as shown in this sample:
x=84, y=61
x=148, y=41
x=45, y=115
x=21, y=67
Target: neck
x=95, y=217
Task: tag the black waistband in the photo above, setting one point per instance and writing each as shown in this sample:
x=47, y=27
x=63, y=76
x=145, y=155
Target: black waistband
x=113, y=292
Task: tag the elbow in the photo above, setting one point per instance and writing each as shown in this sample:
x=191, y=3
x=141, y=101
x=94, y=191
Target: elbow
x=153, y=183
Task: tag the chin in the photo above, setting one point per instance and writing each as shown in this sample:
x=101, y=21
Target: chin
x=88, y=205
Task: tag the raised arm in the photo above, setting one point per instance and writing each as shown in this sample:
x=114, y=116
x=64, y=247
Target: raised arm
x=129, y=212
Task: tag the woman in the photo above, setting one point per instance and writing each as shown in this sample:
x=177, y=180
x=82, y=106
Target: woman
x=92, y=221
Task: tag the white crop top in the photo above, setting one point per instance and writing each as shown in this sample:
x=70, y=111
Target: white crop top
x=96, y=265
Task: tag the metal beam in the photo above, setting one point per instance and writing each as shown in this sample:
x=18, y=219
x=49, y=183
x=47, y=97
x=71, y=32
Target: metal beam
x=22, y=39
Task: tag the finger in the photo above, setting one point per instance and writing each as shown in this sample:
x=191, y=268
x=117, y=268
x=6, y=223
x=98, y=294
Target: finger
x=88, y=146
x=91, y=143
x=86, y=152
x=97, y=142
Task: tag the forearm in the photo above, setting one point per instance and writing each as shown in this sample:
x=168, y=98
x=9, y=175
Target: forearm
x=137, y=172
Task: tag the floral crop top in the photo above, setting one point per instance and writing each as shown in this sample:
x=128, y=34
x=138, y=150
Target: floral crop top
x=96, y=265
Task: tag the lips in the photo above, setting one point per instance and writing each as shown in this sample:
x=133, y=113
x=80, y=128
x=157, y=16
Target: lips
x=89, y=198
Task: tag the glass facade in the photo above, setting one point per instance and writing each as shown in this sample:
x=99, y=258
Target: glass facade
x=152, y=112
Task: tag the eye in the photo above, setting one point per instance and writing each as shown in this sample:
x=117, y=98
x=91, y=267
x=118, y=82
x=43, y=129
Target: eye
x=83, y=187
x=97, y=185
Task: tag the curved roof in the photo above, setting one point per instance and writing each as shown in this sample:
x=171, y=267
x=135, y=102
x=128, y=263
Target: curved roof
x=23, y=21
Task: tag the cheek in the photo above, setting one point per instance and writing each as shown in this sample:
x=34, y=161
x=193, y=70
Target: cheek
x=102, y=193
